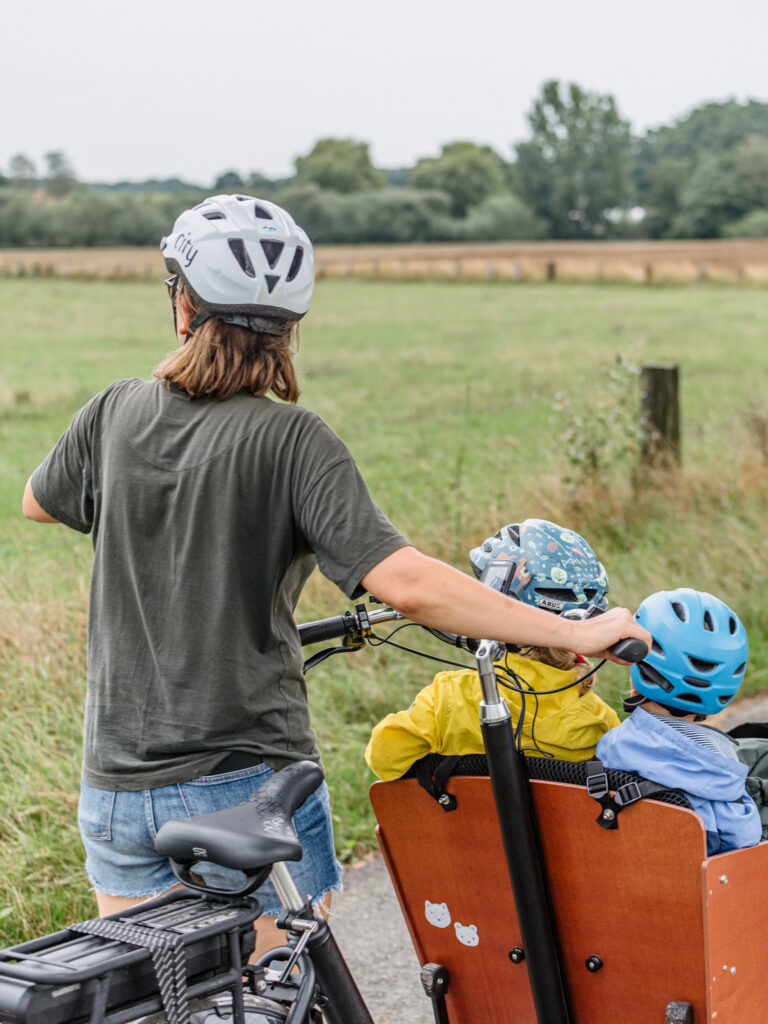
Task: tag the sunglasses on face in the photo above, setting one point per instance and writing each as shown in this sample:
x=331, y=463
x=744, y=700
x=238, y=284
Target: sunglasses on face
x=171, y=283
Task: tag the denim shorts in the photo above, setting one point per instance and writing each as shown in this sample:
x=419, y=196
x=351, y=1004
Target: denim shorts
x=118, y=830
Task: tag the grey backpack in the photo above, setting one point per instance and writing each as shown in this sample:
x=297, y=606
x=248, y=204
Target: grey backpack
x=751, y=742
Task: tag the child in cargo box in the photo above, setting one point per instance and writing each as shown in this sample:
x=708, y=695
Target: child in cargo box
x=559, y=713
x=694, y=669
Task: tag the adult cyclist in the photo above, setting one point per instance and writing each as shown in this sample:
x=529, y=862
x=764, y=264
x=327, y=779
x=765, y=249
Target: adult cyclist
x=209, y=504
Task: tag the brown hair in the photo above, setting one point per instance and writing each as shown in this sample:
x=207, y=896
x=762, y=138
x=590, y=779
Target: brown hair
x=220, y=359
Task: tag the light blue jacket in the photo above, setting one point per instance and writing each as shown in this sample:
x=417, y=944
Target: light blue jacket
x=712, y=783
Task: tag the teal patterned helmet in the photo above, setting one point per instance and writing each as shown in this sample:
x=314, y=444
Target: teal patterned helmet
x=555, y=568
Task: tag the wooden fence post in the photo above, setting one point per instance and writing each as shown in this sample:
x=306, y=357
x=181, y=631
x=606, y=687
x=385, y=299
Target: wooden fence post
x=660, y=415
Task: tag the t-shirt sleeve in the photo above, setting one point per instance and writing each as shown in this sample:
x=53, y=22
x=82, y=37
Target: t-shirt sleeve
x=345, y=529
x=63, y=483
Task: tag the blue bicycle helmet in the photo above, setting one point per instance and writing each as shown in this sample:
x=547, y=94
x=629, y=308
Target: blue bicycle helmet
x=699, y=651
x=555, y=568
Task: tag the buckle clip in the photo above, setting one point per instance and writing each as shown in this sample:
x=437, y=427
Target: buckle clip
x=628, y=794
x=597, y=785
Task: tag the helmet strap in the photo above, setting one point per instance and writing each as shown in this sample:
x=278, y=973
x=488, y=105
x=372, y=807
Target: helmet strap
x=257, y=324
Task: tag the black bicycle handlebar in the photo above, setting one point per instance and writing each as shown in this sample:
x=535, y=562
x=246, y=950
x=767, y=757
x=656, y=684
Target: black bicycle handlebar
x=327, y=629
x=631, y=649
x=353, y=626
x=356, y=625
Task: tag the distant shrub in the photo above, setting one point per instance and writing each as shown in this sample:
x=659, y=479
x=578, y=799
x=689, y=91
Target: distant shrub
x=752, y=225
x=405, y=215
x=383, y=215
x=87, y=218
x=327, y=217
x=501, y=218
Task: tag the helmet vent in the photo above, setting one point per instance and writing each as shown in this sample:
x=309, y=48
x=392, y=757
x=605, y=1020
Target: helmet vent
x=732, y=625
x=656, y=646
x=514, y=532
x=690, y=698
x=680, y=611
x=214, y=215
x=693, y=681
x=272, y=251
x=740, y=669
x=650, y=675
x=724, y=698
x=296, y=262
x=589, y=593
x=708, y=623
x=271, y=280
x=237, y=245
x=556, y=594
x=702, y=666
x=261, y=214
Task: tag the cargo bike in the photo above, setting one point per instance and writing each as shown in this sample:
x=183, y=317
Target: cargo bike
x=533, y=892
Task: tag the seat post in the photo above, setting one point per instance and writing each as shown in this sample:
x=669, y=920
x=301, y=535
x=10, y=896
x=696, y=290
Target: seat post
x=522, y=848
x=286, y=889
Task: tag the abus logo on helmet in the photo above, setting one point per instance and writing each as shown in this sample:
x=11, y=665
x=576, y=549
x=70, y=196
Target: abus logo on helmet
x=185, y=248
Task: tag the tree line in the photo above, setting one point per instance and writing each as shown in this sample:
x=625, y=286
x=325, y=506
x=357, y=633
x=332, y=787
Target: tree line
x=582, y=174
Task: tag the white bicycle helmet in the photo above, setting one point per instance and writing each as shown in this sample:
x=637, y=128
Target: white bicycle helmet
x=244, y=260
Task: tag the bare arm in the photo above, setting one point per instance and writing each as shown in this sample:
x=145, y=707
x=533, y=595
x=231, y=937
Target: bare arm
x=432, y=593
x=32, y=509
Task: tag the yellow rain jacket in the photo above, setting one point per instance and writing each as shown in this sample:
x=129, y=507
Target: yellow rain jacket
x=444, y=719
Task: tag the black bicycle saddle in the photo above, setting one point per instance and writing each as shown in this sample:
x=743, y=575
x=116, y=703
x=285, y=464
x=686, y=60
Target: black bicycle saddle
x=249, y=835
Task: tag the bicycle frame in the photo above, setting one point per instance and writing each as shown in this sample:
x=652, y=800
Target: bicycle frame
x=342, y=1002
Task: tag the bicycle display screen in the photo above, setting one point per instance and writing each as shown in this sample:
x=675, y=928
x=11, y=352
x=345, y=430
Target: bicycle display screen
x=498, y=574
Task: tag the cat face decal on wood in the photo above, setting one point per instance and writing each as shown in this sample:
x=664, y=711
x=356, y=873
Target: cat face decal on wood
x=437, y=914
x=467, y=934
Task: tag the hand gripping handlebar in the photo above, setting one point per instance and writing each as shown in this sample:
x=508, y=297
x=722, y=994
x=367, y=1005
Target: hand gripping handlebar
x=631, y=649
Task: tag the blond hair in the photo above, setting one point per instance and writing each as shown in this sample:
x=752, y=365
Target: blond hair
x=220, y=359
x=566, y=661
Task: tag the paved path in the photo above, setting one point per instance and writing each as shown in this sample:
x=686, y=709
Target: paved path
x=748, y=709
x=374, y=939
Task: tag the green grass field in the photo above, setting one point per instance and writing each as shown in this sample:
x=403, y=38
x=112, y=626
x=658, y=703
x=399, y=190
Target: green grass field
x=448, y=396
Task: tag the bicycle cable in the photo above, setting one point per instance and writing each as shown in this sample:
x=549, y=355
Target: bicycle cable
x=378, y=641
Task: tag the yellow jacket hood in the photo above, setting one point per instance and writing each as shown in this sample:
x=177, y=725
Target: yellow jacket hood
x=444, y=718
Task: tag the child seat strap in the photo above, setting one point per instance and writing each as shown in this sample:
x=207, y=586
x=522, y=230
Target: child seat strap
x=629, y=793
x=435, y=783
x=168, y=960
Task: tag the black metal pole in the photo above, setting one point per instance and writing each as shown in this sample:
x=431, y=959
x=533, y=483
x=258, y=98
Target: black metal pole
x=522, y=848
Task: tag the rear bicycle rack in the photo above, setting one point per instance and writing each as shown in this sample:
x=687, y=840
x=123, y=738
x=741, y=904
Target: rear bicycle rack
x=73, y=978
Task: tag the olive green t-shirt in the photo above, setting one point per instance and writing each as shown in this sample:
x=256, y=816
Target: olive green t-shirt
x=206, y=519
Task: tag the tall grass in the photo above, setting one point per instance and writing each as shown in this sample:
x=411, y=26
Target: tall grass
x=446, y=396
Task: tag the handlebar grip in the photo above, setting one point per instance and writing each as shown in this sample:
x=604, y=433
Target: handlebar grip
x=324, y=629
x=631, y=650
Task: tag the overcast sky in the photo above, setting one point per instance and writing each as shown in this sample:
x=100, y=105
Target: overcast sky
x=154, y=89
